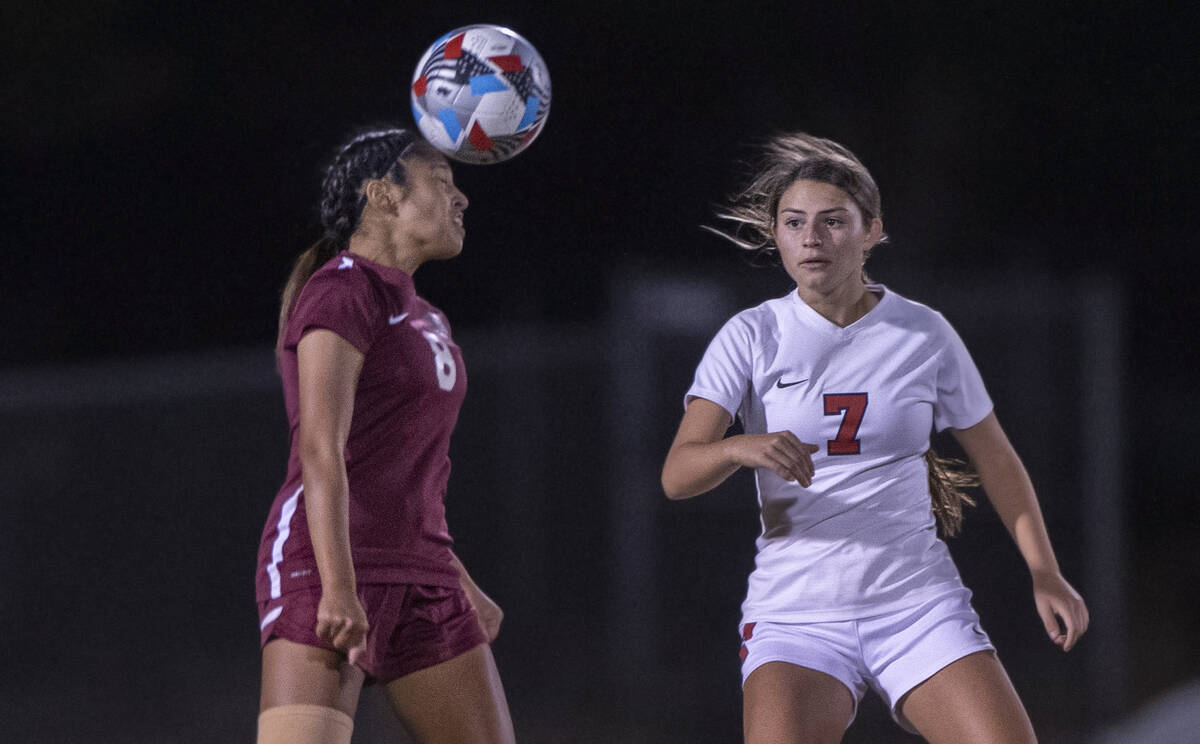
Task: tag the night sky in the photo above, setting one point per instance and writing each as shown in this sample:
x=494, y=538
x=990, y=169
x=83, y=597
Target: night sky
x=163, y=159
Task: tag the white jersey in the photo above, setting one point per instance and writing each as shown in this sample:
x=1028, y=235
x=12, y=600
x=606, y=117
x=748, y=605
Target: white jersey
x=861, y=540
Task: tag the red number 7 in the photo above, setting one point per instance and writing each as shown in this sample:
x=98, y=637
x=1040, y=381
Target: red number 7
x=854, y=405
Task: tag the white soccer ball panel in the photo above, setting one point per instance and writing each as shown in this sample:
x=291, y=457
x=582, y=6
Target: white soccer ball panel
x=502, y=105
x=487, y=41
x=500, y=122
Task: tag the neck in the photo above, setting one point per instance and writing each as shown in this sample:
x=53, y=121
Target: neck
x=842, y=306
x=378, y=249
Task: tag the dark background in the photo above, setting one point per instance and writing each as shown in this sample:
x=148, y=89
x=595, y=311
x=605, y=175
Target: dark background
x=161, y=166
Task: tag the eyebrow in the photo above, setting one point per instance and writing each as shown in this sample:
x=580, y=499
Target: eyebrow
x=823, y=211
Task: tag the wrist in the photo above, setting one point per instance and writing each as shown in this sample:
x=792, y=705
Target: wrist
x=1044, y=572
x=338, y=582
x=727, y=450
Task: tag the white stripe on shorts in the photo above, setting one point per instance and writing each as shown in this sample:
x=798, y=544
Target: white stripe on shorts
x=271, y=617
x=282, y=531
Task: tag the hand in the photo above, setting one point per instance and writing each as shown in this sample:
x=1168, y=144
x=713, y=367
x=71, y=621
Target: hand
x=342, y=623
x=489, y=613
x=1056, y=601
x=781, y=451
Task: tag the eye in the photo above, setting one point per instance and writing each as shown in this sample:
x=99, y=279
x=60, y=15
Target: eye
x=792, y=222
x=832, y=222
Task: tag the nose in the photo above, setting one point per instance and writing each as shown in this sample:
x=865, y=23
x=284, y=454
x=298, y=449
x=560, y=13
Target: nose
x=810, y=236
x=460, y=199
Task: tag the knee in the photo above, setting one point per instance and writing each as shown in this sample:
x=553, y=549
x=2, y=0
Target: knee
x=304, y=724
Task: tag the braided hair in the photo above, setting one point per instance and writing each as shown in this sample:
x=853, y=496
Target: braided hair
x=375, y=153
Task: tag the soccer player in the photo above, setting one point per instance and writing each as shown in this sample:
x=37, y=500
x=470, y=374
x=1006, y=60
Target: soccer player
x=838, y=385
x=357, y=582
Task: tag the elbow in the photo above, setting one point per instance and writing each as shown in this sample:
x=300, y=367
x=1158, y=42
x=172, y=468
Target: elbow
x=674, y=490
x=674, y=495
x=318, y=459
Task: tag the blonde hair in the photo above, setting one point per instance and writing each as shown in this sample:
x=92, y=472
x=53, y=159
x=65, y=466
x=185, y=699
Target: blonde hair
x=948, y=479
x=785, y=159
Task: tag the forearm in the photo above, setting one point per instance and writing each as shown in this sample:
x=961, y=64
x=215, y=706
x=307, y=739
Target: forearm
x=1012, y=495
x=327, y=506
x=1063, y=612
x=697, y=467
x=1010, y=491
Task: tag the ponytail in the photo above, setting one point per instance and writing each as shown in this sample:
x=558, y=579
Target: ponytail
x=305, y=266
x=948, y=479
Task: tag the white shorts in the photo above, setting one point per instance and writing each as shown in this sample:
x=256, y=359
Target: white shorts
x=893, y=653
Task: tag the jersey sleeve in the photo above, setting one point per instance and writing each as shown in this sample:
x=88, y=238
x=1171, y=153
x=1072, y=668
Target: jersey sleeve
x=342, y=301
x=723, y=375
x=962, y=399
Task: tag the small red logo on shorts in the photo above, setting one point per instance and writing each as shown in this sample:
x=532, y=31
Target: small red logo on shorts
x=747, y=634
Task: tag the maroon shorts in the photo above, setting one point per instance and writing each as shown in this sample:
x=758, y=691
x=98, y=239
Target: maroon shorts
x=411, y=627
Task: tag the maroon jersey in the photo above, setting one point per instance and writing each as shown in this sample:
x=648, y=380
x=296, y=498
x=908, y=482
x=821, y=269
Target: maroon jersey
x=397, y=463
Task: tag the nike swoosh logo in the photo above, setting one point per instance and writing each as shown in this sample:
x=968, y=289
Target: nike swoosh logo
x=781, y=384
x=394, y=319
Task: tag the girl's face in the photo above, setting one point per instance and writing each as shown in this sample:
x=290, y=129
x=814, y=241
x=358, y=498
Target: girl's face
x=431, y=210
x=822, y=240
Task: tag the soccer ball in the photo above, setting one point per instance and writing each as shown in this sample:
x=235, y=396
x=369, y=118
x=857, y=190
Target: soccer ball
x=481, y=94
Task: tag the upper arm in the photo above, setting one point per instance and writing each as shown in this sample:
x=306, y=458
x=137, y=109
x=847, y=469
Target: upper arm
x=703, y=422
x=987, y=446
x=328, y=369
x=962, y=397
x=692, y=465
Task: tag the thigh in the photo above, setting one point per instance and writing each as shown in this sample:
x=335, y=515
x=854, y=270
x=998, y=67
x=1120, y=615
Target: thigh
x=294, y=673
x=905, y=648
x=784, y=703
x=972, y=700
x=414, y=627
x=460, y=701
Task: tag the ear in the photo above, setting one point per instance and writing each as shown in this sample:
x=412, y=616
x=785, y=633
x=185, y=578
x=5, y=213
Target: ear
x=381, y=194
x=875, y=232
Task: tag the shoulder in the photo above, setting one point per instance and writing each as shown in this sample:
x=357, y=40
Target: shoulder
x=764, y=318
x=339, y=275
x=344, y=296
x=911, y=314
x=743, y=332
x=748, y=334
x=344, y=271
x=348, y=278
